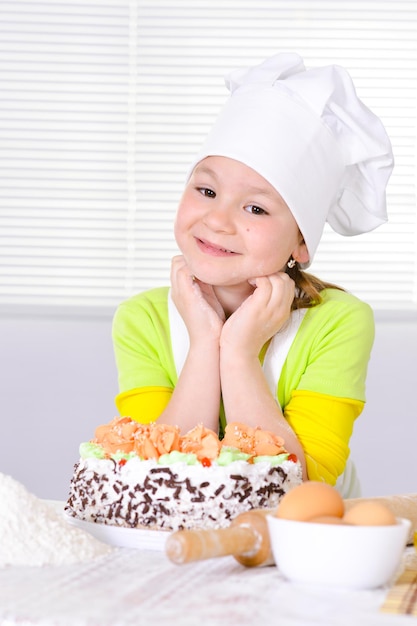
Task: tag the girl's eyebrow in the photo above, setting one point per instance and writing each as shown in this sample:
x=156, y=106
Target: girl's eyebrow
x=260, y=191
x=203, y=169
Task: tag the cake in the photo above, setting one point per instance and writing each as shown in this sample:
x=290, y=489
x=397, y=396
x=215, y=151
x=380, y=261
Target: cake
x=149, y=476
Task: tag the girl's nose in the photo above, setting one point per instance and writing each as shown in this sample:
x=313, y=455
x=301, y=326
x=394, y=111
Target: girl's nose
x=220, y=217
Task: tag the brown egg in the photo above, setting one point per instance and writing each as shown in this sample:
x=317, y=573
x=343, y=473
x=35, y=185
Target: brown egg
x=310, y=499
x=369, y=514
x=326, y=519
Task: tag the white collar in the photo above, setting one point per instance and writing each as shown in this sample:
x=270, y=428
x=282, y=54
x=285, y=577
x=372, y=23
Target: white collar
x=274, y=357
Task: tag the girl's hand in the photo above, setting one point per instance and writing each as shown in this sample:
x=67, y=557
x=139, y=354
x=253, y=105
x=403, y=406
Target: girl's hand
x=260, y=316
x=196, y=302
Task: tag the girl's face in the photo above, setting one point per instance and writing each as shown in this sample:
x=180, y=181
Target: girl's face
x=233, y=226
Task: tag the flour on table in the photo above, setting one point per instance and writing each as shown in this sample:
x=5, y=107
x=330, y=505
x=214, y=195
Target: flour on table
x=33, y=533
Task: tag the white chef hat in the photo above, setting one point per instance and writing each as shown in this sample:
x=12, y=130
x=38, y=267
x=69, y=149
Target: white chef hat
x=308, y=134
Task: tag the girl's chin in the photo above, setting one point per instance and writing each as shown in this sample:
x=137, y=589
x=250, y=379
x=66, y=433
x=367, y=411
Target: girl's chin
x=218, y=277
x=224, y=283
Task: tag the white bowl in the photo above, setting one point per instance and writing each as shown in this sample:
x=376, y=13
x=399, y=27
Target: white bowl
x=354, y=557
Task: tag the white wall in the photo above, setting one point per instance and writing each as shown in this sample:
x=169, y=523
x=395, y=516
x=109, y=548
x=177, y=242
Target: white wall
x=384, y=443
x=58, y=382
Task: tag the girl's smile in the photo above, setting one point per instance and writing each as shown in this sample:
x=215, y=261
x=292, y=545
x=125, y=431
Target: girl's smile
x=209, y=248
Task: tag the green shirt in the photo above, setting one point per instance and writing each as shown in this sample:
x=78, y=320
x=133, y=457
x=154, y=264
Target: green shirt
x=329, y=354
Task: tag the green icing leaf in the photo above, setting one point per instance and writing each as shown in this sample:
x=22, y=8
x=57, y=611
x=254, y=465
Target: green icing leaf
x=177, y=457
x=119, y=455
x=228, y=455
x=89, y=450
x=273, y=460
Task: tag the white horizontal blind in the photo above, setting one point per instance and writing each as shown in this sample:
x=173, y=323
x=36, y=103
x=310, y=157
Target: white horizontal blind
x=104, y=103
x=66, y=172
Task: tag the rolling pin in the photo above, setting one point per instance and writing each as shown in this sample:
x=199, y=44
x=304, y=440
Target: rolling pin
x=247, y=538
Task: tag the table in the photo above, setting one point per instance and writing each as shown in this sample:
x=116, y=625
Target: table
x=138, y=586
x=144, y=587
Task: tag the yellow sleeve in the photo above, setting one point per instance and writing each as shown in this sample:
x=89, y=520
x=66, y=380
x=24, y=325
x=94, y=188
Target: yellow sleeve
x=323, y=425
x=144, y=405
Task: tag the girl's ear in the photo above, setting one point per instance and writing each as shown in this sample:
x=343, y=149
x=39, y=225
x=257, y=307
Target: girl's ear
x=300, y=253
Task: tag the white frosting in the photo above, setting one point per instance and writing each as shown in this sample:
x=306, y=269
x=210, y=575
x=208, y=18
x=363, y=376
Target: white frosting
x=144, y=493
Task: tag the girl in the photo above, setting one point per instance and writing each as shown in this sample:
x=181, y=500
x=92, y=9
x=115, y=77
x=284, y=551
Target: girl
x=244, y=333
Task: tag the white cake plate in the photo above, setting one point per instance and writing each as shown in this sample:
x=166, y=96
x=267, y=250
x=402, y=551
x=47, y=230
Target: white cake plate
x=121, y=537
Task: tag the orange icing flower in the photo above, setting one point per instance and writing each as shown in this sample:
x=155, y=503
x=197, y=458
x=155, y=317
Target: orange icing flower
x=150, y=441
x=158, y=439
x=253, y=441
x=166, y=438
x=117, y=435
x=268, y=443
x=202, y=442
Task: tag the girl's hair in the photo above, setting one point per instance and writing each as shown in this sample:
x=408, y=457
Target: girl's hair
x=308, y=288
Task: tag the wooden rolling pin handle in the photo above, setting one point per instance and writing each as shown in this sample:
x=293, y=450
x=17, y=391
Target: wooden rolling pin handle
x=185, y=546
x=256, y=520
x=247, y=539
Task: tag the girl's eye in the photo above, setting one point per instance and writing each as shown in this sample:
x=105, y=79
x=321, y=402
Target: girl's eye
x=255, y=210
x=208, y=193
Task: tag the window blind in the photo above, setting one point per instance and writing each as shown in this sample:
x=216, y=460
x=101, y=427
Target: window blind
x=104, y=104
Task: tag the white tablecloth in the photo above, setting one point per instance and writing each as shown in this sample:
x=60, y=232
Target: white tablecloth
x=143, y=587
